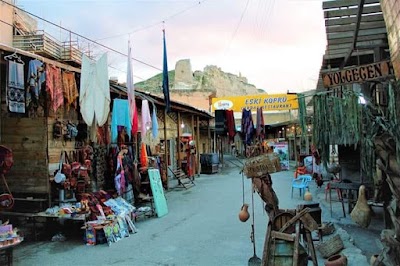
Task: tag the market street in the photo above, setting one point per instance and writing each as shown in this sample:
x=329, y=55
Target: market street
x=201, y=228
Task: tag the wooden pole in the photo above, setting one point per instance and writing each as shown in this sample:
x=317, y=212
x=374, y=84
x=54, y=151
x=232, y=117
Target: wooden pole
x=178, y=146
x=209, y=137
x=198, y=145
x=166, y=148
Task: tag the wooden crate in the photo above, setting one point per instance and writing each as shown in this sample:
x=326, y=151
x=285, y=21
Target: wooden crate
x=209, y=169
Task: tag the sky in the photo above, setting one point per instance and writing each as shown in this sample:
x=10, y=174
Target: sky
x=276, y=44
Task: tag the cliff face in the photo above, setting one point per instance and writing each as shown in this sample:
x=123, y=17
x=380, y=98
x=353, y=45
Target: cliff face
x=197, y=87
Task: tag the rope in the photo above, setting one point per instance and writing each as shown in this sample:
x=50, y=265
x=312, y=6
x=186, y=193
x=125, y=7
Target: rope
x=253, y=238
x=243, y=187
x=5, y=183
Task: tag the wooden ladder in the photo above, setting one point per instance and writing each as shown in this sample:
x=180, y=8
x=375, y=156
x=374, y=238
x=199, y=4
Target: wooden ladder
x=183, y=179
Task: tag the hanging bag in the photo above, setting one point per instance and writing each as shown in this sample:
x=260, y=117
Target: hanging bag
x=59, y=177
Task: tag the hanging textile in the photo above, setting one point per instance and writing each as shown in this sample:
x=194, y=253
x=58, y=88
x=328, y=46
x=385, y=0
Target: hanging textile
x=131, y=93
x=120, y=177
x=260, y=130
x=120, y=117
x=99, y=165
x=54, y=86
x=154, y=120
x=247, y=126
x=94, y=97
x=143, y=156
x=70, y=90
x=15, y=87
x=135, y=122
x=230, y=122
x=146, y=118
x=36, y=77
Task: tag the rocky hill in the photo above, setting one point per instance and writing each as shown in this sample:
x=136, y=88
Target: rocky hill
x=200, y=86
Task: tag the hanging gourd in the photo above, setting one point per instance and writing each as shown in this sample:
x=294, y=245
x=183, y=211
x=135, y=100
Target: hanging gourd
x=307, y=196
x=244, y=213
x=361, y=214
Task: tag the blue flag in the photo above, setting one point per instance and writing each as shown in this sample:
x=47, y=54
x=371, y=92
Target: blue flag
x=165, y=84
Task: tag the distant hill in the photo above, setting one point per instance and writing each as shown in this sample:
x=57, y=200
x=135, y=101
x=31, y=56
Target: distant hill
x=199, y=87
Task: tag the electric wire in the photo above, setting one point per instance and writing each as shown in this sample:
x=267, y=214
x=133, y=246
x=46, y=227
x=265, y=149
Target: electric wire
x=81, y=36
x=110, y=66
x=237, y=26
x=156, y=23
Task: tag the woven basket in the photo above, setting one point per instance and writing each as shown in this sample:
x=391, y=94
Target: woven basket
x=331, y=247
x=258, y=166
x=327, y=229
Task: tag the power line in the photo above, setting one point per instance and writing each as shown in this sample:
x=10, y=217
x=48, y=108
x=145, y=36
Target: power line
x=157, y=23
x=110, y=66
x=79, y=35
x=6, y=23
x=238, y=25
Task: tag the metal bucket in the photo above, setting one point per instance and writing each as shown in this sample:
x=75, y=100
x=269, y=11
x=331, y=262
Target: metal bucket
x=282, y=254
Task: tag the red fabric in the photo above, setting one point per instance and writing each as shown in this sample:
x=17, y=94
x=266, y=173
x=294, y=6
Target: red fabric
x=54, y=86
x=230, y=122
x=143, y=156
x=135, y=122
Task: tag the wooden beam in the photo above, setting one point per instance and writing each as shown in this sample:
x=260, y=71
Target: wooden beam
x=178, y=141
x=352, y=11
x=40, y=58
x=343, y=55
x=344, y=3
x=359, y=45
x=352, y=26
x=349, y=34
x=353, y=19
x=360, y=38
x=198, y=145
x=359, y=13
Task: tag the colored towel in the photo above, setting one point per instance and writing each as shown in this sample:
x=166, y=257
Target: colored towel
x=120, y=117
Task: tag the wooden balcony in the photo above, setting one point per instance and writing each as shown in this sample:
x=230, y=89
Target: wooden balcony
x=45, y=45
x=71, y=54
x=39, y=43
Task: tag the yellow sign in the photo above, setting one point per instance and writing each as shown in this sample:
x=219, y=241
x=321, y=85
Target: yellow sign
x=269, y=102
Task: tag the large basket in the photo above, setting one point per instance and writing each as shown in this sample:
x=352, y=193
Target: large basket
x=259, y=166
x=331, y=247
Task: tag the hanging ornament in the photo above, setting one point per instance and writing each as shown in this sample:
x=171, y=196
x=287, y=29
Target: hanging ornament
x=244, y=213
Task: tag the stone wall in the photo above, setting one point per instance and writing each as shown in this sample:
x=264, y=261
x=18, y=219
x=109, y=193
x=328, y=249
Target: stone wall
x=6, y=14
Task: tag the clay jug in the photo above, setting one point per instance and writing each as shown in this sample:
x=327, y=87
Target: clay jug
x=336, y=260
x=373, y=259
x=308, y=196
x=361, y=214
x=244, y=213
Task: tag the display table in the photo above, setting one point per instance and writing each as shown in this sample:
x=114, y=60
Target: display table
x=6, y=253
x=33, y=217
x=351, y=190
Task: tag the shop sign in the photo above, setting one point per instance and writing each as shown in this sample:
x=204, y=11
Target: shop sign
x=269, y=102
x=282, y=149
x=358, y=74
